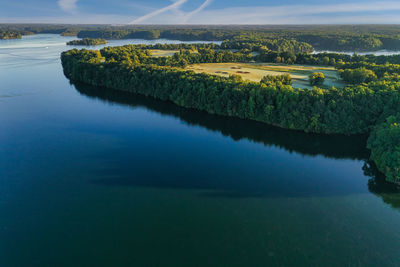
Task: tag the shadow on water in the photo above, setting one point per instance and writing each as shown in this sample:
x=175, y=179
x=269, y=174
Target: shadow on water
x=334, y=146
x=235, y=185
x=389, y=193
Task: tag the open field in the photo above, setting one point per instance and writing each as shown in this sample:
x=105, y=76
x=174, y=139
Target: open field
x=255, y=71
x=163, y=53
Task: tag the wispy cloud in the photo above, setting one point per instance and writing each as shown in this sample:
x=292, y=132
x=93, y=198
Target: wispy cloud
x=68, y=5
x=173, y=6
x=196, y=11
x=362, y=12
x=71, y=18
x=285, y=14
x=296, y=14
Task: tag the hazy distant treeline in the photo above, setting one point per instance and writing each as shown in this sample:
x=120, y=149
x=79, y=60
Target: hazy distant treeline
x=319, y=37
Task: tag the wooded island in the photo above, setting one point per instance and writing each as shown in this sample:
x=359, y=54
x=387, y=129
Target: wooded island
x=88, y=42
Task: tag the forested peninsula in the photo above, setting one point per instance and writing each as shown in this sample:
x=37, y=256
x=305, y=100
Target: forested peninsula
x=369, y=103
x=87, y=42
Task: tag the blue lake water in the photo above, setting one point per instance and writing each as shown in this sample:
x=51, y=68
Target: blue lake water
x=94, y=177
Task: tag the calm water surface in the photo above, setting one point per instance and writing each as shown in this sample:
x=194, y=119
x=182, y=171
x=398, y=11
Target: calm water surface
x=92, y=177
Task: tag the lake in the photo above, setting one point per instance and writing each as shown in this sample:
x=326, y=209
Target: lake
x=95, y=177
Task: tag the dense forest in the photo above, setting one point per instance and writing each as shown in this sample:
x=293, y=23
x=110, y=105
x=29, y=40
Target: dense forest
x=385, y=150
x=371, y=97
x=303, y=38
x=87, y=42
x=214, y=53
x=240, y=39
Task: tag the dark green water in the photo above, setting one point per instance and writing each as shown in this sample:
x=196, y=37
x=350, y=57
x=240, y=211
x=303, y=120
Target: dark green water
x=92, y=177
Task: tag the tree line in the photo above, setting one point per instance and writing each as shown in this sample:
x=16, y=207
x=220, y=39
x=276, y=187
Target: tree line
x=317, y=110
x=87, y=42
x=276, y=38
x=385, y=150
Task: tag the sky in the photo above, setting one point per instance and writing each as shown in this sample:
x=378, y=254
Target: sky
x=200, y=11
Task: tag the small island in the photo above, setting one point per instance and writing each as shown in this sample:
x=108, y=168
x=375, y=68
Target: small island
x=10, y=35
x=88, y=42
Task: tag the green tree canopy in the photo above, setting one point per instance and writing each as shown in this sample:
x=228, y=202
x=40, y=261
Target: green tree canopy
x=317, y=78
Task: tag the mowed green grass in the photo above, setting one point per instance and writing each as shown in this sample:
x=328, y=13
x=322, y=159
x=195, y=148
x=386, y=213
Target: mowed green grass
x=256, y=71
x=162, y=53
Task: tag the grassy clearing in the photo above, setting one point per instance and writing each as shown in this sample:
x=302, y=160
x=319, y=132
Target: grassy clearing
x=163, y=53
x=255, y=71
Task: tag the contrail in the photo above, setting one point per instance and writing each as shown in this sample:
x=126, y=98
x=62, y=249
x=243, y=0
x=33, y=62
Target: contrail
x=159, y=11
x=197, y=10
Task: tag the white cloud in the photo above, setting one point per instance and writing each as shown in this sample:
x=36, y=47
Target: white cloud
x=295, y=14
x=71, y=18
x=68, y=5
x=285, y=14
x=171, y=14
x=173, y=6
x=196, y=11
x=350, y=13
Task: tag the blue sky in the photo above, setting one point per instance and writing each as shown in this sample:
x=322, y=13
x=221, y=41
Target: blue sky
x=200, y=11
